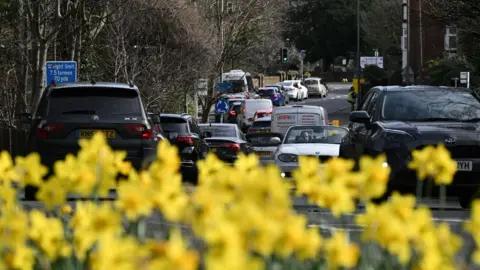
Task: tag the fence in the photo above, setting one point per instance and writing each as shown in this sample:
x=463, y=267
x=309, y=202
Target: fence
x=13, y=140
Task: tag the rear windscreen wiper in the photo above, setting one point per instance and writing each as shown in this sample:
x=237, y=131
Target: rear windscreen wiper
x=79, y=112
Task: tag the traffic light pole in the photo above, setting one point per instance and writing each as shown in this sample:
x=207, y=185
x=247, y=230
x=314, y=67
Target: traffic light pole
x=358, y=68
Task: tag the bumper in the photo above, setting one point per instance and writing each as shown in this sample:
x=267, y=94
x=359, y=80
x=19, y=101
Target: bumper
x=292, y=94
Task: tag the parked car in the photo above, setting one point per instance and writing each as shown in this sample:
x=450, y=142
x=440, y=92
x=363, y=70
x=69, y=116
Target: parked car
x=73, y=111
x=315, y=87
x=154, y=120
x=265, y=145
x=295, y=89
x=261, y=125
x=227, y=141
x=277, y=98
x=282, y=90
x=396, y=120
x=285, y=117
x=318, y=141
x=182, y=130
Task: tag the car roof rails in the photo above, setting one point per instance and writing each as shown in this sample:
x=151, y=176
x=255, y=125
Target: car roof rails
x=92, y=81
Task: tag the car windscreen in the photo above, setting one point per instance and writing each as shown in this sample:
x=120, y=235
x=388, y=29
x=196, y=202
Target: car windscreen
x=261, y=124
x=431, y=105
x=174, y=124
x=238, y=86
x=315, y=134
x=220, y=131
x=274, y=86
x=94, y=100
x=266, y=92
x=264, y=139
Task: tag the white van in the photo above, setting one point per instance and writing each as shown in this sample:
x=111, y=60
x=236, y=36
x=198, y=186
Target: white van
x=298, y=115
x=252, y=106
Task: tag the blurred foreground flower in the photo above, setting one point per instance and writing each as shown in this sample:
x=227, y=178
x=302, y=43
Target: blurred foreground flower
x=434, y=162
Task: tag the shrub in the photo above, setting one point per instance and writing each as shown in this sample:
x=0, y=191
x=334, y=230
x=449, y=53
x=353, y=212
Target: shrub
x=442, y=71
x=375, y=75
x=243, y=213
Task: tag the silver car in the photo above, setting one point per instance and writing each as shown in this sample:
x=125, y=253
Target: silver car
x=315, y=87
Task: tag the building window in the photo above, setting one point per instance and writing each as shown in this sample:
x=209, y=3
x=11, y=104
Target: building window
x=451, y=39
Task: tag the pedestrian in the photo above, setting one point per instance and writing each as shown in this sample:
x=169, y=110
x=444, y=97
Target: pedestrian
x=351, y=97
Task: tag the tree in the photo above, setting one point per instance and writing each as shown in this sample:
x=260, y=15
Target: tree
x=381, y=25
x=324, y=28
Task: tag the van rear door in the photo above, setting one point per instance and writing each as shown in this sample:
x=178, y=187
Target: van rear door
x=309, y=119
x=283, y=121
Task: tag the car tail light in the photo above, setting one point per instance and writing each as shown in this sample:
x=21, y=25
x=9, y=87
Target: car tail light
x=233, y=113
x=140, y=129
x=44, y=129
x=231, y=146
x=185, y=139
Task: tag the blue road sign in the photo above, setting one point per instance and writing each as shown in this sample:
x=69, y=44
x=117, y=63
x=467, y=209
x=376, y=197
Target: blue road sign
x=61, y=71
x=221, y=106
x=223, y=87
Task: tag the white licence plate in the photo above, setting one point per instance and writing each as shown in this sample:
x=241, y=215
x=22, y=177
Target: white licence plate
x=464, y=166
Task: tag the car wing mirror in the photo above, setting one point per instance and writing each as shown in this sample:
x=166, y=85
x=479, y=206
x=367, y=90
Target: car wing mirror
x=276, y=141
x=361, y=117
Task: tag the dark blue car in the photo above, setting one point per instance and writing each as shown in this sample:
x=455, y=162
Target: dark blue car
x=273, y=94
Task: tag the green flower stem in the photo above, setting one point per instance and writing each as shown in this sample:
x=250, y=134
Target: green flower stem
x=419, y=189
x=142, y=230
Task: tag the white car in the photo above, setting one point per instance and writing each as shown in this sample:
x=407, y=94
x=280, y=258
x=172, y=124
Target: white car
x=322, y=142
x=315, y=87
x=295, y=89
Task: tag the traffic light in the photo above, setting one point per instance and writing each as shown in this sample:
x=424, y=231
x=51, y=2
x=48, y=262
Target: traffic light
x=284, y=55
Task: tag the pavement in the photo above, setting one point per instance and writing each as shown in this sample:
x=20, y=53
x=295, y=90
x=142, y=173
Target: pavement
x=339, y=109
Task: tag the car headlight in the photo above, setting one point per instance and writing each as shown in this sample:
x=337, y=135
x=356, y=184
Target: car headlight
x=397, y=136
x=287, y=158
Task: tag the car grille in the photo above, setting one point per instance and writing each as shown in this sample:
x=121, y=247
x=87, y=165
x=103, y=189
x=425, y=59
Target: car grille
x=461, y=151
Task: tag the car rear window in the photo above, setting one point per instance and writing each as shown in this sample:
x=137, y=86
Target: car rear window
x=266, y=92
x=262, y=124
x=220, y=131
x=173, y=124
x=311, y=82
x=263, y=139
x=94, y=100
x=258, y=105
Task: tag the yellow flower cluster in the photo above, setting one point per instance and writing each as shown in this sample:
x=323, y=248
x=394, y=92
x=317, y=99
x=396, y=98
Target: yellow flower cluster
x=472, y=226
x=245, y=210
x=336, y=187
x=434, y=162
x=243, y=213
x=397, y=227
x=94, y=233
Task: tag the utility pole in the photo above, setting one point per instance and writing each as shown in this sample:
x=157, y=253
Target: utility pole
x=221, y=10
x=358, y=76
x=420, y=3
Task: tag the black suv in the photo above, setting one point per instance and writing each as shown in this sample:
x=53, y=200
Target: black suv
x=69, y=112
x=397, y=120
x=182, y=130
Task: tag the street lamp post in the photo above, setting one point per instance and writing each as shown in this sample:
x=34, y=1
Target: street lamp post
x=358, y=69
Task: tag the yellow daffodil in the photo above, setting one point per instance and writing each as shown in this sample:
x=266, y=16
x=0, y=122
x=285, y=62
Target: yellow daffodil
x=52, y=193
x=340, y=252
x=132, y=201
x=116, y=253
x=434, y=162
x=30, y=169
x=20, y=257
x=48, y=235
x=375, y=177
x=7, y=172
